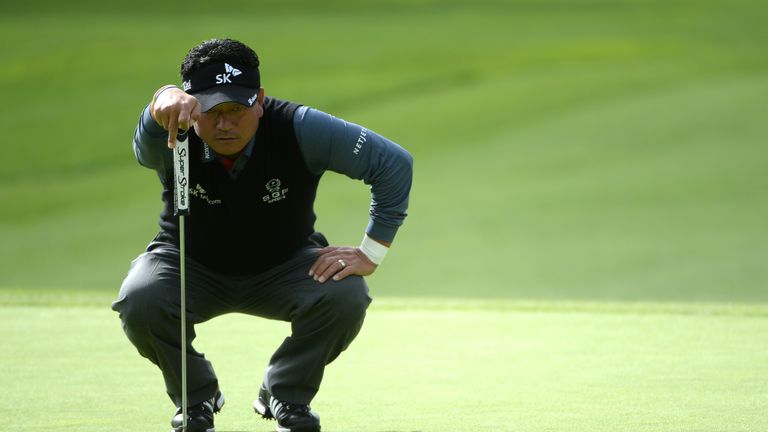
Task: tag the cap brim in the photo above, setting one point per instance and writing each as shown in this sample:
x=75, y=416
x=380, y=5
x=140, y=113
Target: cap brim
x=213, y=96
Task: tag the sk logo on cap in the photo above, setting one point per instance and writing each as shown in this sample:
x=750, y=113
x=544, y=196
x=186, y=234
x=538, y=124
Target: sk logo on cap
x=228, y=68
x=229, y=73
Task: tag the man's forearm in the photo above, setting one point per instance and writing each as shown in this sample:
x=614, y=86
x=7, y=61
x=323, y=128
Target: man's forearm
x=149, y=143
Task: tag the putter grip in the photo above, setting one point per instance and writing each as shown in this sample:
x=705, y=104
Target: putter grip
x=181, y=174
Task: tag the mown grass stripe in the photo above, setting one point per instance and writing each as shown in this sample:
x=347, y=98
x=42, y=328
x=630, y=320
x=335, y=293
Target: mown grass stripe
x=102, y=299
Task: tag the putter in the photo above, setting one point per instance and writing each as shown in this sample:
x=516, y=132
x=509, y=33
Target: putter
x=181, y=179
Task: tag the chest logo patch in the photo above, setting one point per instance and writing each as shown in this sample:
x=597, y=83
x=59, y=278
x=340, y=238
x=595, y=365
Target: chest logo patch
x=276, y=192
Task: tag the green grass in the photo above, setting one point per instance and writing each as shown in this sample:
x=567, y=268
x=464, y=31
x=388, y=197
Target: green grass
x=419, y=366
x=586, y=244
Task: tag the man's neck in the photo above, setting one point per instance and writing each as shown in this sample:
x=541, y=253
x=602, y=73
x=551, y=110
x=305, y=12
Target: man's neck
x=232, y=156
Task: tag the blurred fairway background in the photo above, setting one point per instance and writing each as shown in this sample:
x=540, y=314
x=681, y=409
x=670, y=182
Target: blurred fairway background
x=578, y=151
x=581, y=150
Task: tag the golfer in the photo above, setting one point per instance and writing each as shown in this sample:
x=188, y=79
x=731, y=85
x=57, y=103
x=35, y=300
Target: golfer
x=251, y=245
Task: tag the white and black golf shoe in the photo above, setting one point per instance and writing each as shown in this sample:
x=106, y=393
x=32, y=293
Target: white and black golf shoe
x=290, y=417
x=200, y=416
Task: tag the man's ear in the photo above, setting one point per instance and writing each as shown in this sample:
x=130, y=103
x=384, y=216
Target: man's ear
x=260, y=102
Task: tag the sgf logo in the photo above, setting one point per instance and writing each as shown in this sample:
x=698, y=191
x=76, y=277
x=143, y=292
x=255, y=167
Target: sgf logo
x=276, y=192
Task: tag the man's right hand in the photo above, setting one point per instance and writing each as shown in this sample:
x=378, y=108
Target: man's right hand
x=174, y=109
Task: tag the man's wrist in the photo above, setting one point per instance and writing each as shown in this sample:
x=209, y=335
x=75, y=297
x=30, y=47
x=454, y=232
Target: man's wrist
x=150, y=125
x=374, y=250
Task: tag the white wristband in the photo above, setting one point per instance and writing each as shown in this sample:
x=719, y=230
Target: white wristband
x=374, y=250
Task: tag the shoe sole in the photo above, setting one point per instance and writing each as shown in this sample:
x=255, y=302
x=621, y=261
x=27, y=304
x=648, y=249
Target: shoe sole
x=217, y=406
x=265, y=412
x=279, y=428
x=213, y=429
x=282, y=429
x=262, y=410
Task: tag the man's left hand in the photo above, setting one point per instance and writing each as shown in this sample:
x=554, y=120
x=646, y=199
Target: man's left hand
x=340, y=262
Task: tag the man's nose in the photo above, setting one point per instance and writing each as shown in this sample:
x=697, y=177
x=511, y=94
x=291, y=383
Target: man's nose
x=224, y=122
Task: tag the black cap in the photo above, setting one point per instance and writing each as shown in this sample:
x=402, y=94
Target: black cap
x=218, y=83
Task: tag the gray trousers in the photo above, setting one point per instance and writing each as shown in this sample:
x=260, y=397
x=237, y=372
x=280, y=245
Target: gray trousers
x=324, y=318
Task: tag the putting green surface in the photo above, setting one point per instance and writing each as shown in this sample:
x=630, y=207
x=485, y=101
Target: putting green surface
x=418, y=365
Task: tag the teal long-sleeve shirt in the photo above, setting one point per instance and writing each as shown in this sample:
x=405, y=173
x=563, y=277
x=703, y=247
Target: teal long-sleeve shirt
x=327, y=143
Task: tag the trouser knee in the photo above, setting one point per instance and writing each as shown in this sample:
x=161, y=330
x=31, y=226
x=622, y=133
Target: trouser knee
x=145, y=309
x=348, y=298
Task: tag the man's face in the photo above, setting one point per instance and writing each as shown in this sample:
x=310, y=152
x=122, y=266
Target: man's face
x=228, y=127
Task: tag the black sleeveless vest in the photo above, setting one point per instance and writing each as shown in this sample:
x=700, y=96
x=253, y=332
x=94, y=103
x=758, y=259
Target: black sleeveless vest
x=247, y=225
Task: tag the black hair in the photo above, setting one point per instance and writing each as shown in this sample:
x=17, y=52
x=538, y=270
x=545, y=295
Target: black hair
x=230, y=51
